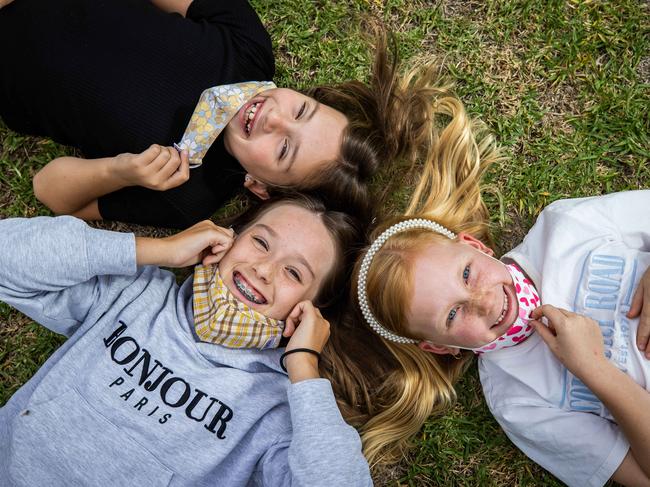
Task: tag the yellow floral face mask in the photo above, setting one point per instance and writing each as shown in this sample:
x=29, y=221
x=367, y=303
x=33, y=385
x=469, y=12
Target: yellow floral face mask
x=215, y=109
x=221, y=318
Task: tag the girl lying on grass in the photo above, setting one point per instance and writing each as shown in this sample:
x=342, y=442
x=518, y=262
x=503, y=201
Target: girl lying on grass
x=165, y=385
x=554, y=322
x=128, y=74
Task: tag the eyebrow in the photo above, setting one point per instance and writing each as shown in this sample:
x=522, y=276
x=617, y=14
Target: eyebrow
x=295, y=151
x=299, y=257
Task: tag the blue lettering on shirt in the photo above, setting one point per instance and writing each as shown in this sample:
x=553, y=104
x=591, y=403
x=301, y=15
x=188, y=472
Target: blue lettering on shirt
x=599, y=296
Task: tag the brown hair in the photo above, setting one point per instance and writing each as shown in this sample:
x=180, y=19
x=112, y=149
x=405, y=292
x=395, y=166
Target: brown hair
x=414, y=384
x=388, y=119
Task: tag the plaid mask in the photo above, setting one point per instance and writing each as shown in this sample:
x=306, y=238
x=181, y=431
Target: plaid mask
x=215, y=109
x=221, y=318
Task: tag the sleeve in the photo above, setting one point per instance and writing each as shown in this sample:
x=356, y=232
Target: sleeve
x=624, y=214
x=54, y=269
x=581, y=449
x=566, y=225
x=629, y=212
x=322, y=451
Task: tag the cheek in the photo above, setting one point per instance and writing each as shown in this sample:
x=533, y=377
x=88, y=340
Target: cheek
x=470, y=332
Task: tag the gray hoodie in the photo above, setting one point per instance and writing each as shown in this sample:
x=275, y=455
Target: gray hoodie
x=132, y=398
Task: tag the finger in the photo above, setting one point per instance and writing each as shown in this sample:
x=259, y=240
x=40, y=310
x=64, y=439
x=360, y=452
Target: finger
x=211, y=259
x=296, y=312
x=172, y=165
x=160, y=160
x=554, y=315
x=643, y=331
x=289, y=328
x=540, y=311
x=547, y=334
x=150, y=154
x=637, y=302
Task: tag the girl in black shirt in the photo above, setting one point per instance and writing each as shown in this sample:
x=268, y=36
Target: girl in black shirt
x=111, y=77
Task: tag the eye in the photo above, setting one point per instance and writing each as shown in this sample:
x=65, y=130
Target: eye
x=285, y=149
x=466, y=274
x=261, y=243
x=295, y=275
x=302, y=110
x=450, y=317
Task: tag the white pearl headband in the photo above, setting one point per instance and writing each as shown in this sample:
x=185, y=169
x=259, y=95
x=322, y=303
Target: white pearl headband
x=362, y=294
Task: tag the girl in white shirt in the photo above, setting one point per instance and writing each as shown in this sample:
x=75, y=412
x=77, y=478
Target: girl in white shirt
x=573, y=395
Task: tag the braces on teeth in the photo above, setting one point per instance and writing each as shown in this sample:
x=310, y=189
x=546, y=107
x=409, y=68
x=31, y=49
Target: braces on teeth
x=247, y=292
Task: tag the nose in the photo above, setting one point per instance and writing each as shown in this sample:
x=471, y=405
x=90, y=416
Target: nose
x=264, y=270
x=275, y=120
x=481, y=302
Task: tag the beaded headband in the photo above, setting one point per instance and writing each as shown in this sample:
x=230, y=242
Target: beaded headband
x=362, y=294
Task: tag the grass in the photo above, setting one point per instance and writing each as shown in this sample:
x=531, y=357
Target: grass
x=565, y=86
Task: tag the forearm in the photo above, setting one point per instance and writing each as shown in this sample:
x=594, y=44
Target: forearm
x=629, y=403
x=173, y=6
x=324, y=449
x=302, y=366
x=49, y=254
x=69, y=184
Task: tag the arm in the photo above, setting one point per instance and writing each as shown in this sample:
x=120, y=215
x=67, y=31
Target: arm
x=4, y=3
x=173, y=6
x=577, y=342
x=323, y=449
x=71, y=185
x=51, y=268
x=54, y=269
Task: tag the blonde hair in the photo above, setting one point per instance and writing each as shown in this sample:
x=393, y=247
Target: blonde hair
x=417, y=383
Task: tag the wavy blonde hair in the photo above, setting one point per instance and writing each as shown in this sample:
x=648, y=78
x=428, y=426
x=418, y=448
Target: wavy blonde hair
x=416, y=384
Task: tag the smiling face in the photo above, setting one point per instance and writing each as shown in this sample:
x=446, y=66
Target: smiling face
x=279, y=260
x=282, y=137
x=462, y=297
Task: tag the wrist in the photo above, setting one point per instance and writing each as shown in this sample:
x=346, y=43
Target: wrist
x=149, y=251
x=116, y=171
x=301, y=366
x=596, y=372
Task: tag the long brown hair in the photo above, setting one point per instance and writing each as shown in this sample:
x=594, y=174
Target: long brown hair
x=389, y=118
x=396, y=387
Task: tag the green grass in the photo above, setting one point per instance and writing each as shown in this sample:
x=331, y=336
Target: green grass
x=563, y=84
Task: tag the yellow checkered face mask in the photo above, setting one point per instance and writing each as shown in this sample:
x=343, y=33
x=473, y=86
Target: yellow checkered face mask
x=216, y=107
x=221, y=318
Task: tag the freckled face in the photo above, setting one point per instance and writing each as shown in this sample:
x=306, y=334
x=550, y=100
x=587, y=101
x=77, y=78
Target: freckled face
x=282, y=137
x=462, y=296
x=279, y=260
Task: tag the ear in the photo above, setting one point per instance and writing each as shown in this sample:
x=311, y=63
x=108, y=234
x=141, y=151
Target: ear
x=256, y=187
x=439, y=349
x=468, y=239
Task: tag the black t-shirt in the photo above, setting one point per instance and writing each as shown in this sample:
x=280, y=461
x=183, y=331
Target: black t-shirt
x=113, y=76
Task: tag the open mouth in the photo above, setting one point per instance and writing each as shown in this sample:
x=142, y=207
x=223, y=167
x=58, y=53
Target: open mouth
x=247, y=290
x=250, y=114
x=504, y=311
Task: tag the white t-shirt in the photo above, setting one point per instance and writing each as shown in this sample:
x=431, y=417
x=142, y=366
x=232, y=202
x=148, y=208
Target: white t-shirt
x=585, y=255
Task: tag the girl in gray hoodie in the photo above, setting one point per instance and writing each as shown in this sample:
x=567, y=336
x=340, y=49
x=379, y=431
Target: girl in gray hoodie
x=140, y=394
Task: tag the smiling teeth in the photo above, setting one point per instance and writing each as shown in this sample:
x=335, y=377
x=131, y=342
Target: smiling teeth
x=504, y=311
x=248, y=293
x=250, y=115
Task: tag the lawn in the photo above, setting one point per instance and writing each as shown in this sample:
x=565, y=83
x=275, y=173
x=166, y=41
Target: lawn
x=564, y=85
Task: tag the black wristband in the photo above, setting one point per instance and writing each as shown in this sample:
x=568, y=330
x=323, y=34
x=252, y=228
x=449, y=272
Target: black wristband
x=289, y=352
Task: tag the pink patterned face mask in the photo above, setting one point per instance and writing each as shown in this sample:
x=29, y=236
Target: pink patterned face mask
x=527, y=300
